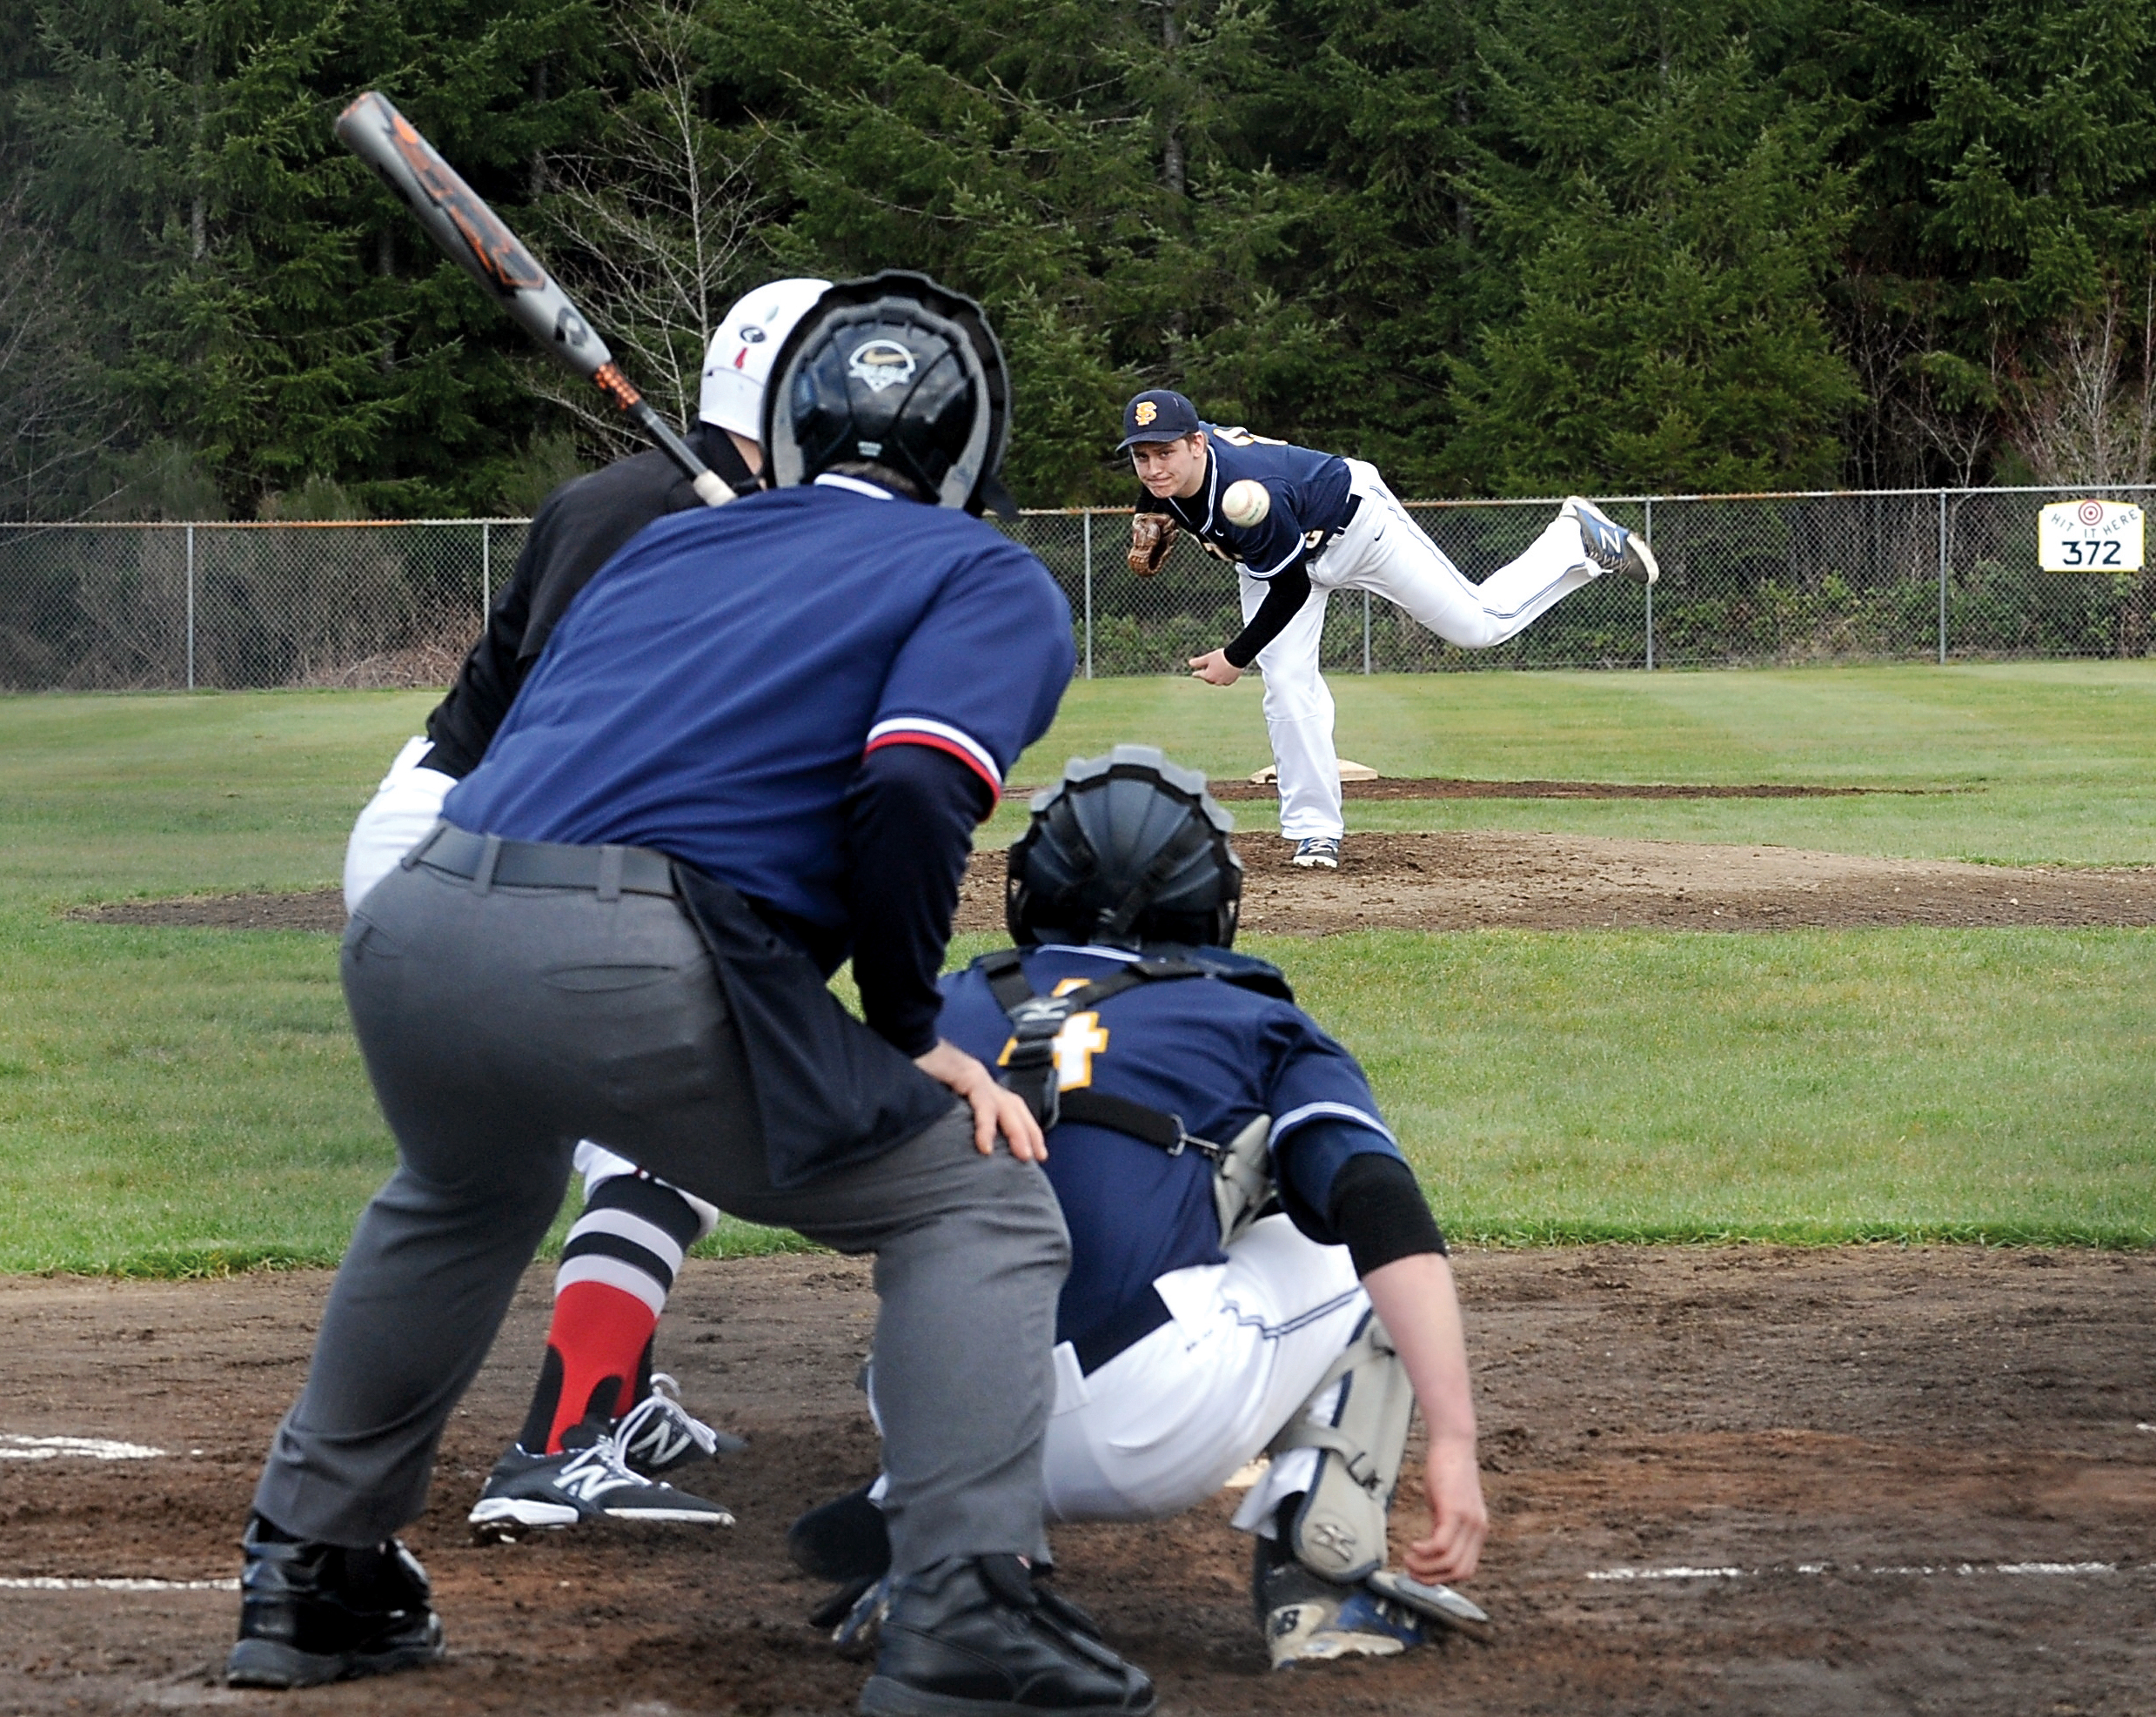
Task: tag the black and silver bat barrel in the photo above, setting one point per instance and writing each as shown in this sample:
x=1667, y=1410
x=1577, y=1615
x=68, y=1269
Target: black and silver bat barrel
x=474, y=236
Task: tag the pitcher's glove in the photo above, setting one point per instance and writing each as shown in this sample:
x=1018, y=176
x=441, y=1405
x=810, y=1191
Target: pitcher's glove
x=1152, y=534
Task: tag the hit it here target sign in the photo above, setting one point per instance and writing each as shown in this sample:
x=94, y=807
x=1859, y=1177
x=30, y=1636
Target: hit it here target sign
x=2089, y=536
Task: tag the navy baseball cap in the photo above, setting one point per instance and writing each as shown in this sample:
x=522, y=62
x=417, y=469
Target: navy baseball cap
x=1158, y=414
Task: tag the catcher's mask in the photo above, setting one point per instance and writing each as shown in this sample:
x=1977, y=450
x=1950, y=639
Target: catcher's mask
x=894, y=370
x=1126, y=848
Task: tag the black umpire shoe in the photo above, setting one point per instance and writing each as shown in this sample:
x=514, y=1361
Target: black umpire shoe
x=970, y=1637
x=315, y=1613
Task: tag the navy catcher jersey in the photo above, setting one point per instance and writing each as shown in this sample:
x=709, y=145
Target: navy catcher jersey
x=1309, y=492
x=713, y=691
x=1212, y=1053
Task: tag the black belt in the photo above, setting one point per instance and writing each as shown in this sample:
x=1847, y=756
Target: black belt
x=493, y=863
x=1125, y=1330
x=1347, y=517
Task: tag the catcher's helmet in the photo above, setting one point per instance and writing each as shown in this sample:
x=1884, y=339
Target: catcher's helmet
x=1126, y=848
x=896, y=370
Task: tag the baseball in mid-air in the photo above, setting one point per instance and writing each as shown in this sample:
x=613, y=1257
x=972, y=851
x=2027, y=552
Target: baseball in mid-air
x=1246, y=502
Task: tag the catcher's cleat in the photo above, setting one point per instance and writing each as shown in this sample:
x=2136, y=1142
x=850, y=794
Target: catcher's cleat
x=527, y=1493
x=1308, y=1619
x=854, y=1615
x=315, y=1613
x=843, y=1540
x=659, y=1435
x=1316, y=852
x=1609, y=544
x=971, y=1635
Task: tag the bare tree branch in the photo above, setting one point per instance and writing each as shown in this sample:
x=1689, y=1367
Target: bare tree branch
x=2088, y=418
x=55, y=420
x=651, y=230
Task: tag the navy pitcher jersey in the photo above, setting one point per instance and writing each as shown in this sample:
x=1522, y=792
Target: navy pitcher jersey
x=711, y=691
x=1209, y=1051
x=1310, y=500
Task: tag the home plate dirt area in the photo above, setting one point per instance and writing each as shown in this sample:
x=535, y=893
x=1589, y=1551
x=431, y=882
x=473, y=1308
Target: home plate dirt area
x=1743, y=1479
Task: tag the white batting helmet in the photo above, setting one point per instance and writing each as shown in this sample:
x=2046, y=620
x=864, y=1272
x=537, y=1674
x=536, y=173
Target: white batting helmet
x=739, y=362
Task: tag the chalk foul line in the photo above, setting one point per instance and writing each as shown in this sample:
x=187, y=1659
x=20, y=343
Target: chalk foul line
x=14, y=1446
x=1859, y=1570
x=55, y=1583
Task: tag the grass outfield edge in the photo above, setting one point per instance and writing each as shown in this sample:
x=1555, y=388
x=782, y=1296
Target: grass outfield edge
x=192, y=1264
x=2129, y=1238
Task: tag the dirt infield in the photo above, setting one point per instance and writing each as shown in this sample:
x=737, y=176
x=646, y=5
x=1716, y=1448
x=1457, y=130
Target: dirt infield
x=1809, y=1481
x=1447, y=787
x=1488, y=879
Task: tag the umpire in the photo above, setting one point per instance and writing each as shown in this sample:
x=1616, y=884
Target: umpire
x=757, y=743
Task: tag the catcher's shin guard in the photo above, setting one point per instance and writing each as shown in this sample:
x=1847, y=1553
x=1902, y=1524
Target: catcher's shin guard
x=1339, y=1529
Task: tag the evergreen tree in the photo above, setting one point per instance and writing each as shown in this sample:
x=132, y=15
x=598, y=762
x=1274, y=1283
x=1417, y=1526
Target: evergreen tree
x=2004, y=154
x=1676, y=218
x=263, y=299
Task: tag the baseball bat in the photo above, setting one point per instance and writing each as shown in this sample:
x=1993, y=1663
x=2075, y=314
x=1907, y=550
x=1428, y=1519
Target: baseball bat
x=474, y=237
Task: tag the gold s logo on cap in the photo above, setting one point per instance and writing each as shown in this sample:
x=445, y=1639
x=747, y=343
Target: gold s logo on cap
x=1147, y=411
x=881, y=364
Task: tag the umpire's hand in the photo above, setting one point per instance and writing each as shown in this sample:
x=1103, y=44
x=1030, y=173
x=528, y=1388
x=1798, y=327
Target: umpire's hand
x=995, y=1109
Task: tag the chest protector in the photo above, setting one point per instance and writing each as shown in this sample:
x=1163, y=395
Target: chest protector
x=1243, y=1168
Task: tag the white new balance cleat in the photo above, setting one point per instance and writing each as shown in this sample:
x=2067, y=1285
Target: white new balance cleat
x=1609, y=544
x=1316, y=852
x=658, y=1434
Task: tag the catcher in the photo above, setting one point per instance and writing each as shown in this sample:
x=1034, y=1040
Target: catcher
x=1253, y=1265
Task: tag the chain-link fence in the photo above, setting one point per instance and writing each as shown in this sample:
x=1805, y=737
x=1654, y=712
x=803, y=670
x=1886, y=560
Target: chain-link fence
x=167, y=606
x=1937, y=574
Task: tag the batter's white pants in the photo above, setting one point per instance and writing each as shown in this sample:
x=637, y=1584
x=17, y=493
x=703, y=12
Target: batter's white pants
x=1167, y=1421
x=404, y=806
x=1384, y=551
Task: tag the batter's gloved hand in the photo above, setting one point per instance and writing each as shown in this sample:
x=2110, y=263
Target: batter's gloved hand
x=1152, y=534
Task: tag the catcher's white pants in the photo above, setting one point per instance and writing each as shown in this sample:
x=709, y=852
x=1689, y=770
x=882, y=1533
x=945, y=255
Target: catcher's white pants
x=406, y=806
x=1167, y=1421
x=1384, y=551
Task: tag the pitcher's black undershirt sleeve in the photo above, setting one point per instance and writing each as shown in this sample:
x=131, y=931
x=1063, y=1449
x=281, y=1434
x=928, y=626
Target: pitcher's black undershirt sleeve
x=910, y=813
x=1284, y=597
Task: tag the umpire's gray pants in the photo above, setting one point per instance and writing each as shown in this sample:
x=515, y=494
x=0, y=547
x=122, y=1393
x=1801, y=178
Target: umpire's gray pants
x=501, y=1027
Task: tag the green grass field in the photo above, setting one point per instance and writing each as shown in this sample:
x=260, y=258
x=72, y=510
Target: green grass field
x=186, y=1100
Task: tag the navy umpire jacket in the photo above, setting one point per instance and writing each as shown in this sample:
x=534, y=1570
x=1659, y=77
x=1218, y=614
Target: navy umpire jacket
x=807, y=700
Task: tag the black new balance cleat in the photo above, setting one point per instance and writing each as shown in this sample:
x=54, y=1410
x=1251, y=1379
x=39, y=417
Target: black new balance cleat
x=971, y=1637
x=528, y=1492
x=316, y=1612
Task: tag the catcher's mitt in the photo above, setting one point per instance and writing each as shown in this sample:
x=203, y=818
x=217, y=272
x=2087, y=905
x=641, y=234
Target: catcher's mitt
x=1152, y=534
